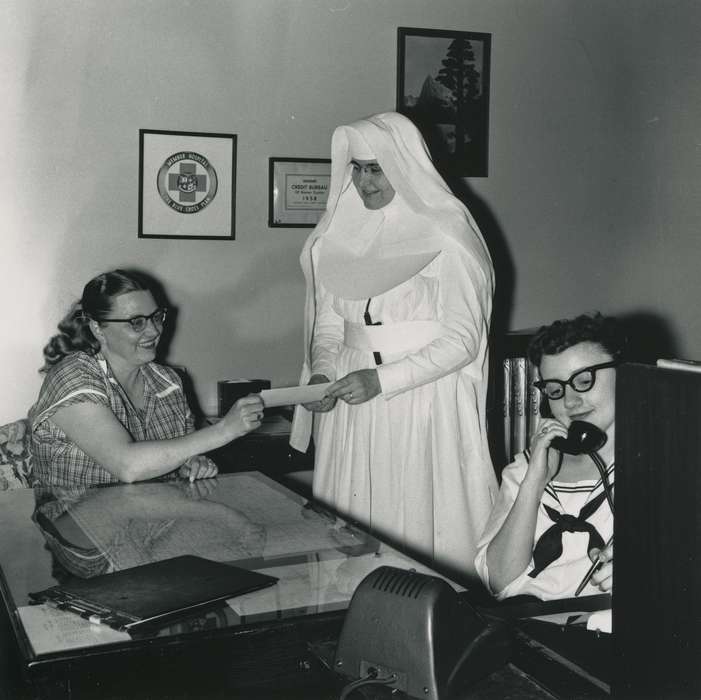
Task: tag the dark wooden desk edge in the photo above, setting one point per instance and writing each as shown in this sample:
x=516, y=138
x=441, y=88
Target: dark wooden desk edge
x=568, y=661
x=12, y=678
x=556, y=673
x=257, y=661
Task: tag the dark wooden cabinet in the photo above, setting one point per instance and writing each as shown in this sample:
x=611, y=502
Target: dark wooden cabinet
x=266, y=450
x=657, y=572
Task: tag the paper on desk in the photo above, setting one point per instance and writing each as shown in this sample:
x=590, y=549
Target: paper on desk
x=601, y=620
x=293, y=394
x=598, y=620
x=321, y=584
x=563, y=618
x=49, y=629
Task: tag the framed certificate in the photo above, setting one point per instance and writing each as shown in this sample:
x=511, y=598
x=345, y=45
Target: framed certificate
x=299, y=188
x=187, y=184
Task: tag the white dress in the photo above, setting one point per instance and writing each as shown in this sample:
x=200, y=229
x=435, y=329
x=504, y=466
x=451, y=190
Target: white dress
x=413, y=463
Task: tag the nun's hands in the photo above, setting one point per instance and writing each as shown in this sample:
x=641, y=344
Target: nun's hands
x=327, y=403
x=357, y=387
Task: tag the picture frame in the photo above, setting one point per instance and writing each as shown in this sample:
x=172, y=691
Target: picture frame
x=187, y=185
x=443, y=80
x=298, y=190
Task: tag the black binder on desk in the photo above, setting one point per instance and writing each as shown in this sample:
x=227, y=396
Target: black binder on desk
x=153, y=593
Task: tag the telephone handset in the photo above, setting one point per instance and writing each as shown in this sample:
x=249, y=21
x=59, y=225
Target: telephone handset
x=585, y=438
x=582, y=437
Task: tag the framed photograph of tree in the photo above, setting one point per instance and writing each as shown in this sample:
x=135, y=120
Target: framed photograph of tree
x=443, y=87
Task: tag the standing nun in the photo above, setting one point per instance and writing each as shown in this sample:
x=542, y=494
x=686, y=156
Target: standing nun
x=399, y=299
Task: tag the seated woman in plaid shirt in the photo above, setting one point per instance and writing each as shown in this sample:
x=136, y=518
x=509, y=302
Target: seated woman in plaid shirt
x=106, y=411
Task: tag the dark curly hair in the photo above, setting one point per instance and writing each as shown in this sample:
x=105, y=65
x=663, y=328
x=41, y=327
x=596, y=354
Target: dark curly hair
x=605, y=331
x=95, y=304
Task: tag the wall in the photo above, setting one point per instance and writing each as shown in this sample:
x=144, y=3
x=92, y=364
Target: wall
x=591, y=200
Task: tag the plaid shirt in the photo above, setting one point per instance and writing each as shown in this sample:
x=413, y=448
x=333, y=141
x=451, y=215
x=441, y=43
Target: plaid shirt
x=80, y=377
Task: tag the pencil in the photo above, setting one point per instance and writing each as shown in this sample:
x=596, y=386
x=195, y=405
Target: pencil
x=591, y=571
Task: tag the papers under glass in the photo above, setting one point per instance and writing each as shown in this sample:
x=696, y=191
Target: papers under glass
x=244, y=519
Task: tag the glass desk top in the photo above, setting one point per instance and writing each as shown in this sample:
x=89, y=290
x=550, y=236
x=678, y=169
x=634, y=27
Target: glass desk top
x=246, y=519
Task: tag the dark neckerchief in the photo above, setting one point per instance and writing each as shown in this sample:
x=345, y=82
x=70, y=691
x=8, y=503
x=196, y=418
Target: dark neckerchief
x=549, y=547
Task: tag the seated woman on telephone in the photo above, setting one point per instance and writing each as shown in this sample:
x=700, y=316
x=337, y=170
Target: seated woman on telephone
x=553, y=516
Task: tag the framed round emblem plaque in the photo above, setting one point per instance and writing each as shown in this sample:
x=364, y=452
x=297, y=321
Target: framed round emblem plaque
x=186, y=184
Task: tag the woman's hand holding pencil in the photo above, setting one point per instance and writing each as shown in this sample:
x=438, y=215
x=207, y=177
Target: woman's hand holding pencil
x=601, y=570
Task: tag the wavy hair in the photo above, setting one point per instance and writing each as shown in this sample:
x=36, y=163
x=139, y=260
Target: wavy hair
x=605, y=331
x=95, y=304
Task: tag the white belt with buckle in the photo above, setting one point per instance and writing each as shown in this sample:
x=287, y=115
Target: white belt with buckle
x=391, y=338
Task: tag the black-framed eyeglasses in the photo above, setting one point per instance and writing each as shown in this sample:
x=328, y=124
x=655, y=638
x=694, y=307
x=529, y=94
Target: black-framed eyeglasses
x=139, y=323
x=582, y=380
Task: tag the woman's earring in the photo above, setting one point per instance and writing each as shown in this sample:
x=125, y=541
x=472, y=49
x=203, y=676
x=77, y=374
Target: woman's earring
x=95, y=329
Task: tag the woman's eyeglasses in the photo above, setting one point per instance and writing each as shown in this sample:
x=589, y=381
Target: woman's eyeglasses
x=582, y=380
x=139, y=323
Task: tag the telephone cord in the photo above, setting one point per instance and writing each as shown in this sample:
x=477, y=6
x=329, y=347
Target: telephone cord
x=605, y=483
x=370, y=679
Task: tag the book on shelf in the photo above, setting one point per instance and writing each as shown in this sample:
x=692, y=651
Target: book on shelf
x=519, y=415
x=684, y=365
x=533, y=399
x=506, y=368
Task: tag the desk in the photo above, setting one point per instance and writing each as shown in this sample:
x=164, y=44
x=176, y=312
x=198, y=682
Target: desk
x=256, y=646
x=259, y=643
